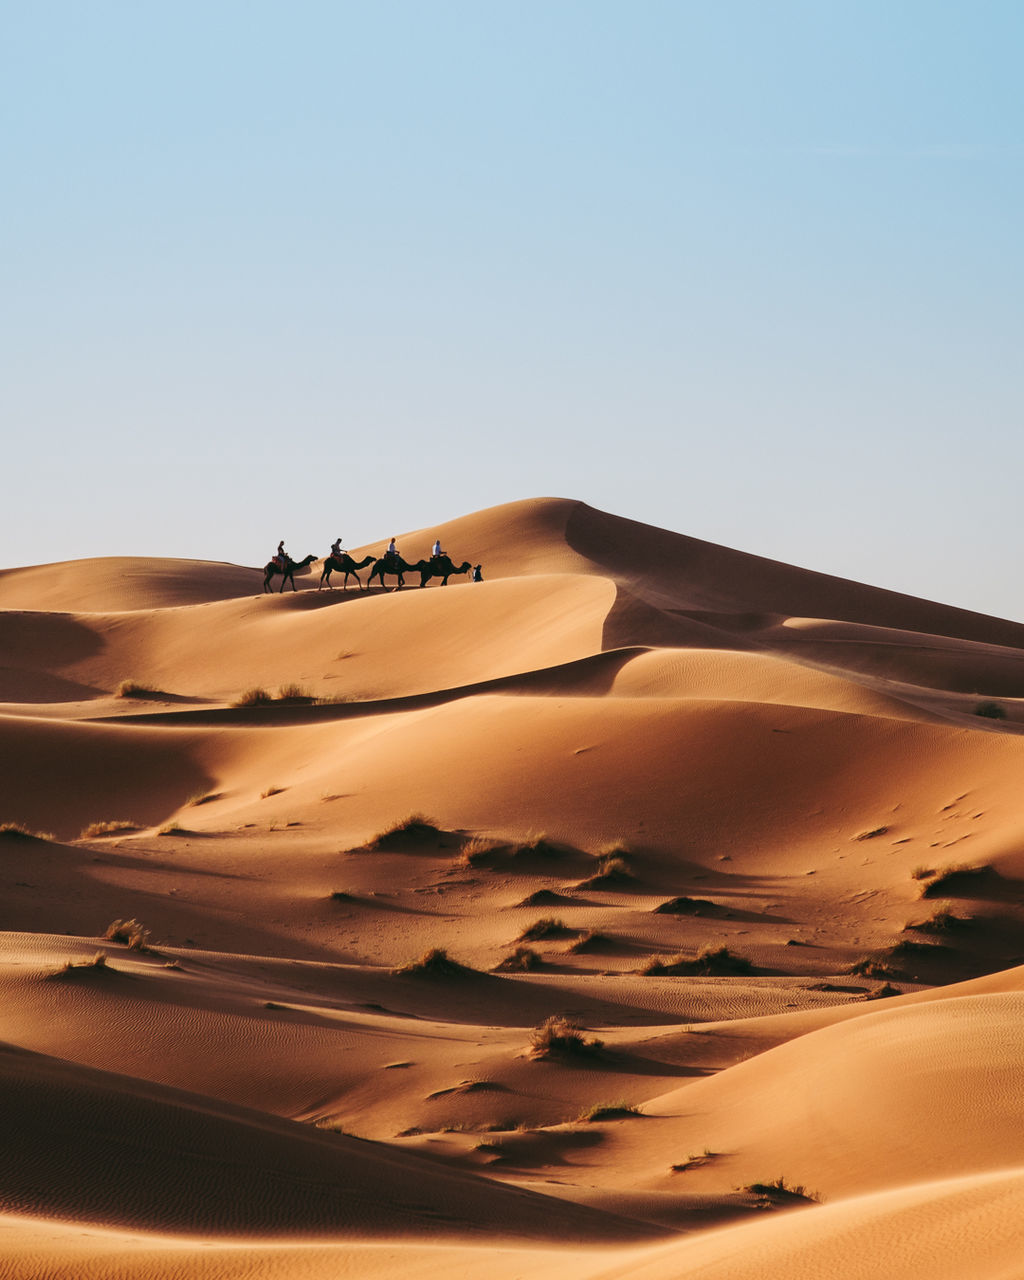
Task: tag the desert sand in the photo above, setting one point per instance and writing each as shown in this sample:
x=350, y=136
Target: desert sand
x=751, y=833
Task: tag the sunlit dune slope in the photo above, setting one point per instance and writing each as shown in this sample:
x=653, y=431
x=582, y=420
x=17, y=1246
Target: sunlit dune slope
x=945, y=1230
x=944, y=1076
x=359, y=650
x=123, y=582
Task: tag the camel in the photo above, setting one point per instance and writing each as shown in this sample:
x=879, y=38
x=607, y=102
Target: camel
x=287, y=574
x=440, y=567
x=437, y=567
x=392, y=565
x=343, y=563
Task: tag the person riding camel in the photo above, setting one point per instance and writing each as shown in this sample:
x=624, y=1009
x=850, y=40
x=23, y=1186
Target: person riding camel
x=281, y=556
x=437, y=552
x=336, y=547
x=392, y=550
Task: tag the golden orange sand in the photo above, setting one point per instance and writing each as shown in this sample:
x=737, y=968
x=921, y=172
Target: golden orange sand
x=785, y=763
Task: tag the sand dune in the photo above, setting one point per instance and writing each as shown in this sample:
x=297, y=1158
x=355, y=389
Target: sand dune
x=755, y=830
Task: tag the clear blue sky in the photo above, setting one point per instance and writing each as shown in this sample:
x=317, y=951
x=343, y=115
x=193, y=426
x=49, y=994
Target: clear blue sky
x=750, y=270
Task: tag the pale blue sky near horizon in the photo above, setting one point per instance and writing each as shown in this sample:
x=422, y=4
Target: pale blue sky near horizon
x=750, y=271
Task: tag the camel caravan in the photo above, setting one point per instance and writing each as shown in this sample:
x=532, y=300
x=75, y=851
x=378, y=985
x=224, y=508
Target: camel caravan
x=390, y=564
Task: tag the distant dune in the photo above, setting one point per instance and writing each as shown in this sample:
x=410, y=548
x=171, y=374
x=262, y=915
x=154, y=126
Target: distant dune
x=751, y=833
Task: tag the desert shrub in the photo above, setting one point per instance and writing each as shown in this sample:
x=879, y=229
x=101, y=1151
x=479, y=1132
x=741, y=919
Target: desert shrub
x=96, y=829
x=990, y=711
x=708, y=962
x=435, y=963
x=255, y=697
x=522, y=960
x=873, y=834
x=172, y=829
x=129, y=932
x=922, y=872
x=558, y=1036
x=270, y=791
x=546, y=928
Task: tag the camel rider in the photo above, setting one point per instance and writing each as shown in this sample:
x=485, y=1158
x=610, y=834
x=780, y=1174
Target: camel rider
x=437, y=552
x=281, y=558
x=336, y=547
x=392, y=550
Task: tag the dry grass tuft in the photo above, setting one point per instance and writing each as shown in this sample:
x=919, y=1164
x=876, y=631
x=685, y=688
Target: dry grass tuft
x=477, y=851
x=16, y=831
x=98, y=961
x=780, y=1189
x=255, y=697
x=708, y=962
x=294, y=693
x=872, y=967
x=132, y=689
x=591, y=941
x=435, y=963
x=417, y=828
x=557, y=1036
x=546, y=928
x=113, y=828
x=941, y=920
x=522, y=960
x=612, y=873
x=131, y=933
x=957, y=878
x=883, y=992
x=609, y=1111
x=687, y=907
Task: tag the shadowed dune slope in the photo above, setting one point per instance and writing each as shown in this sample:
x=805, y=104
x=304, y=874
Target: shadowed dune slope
x=167, y=1161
